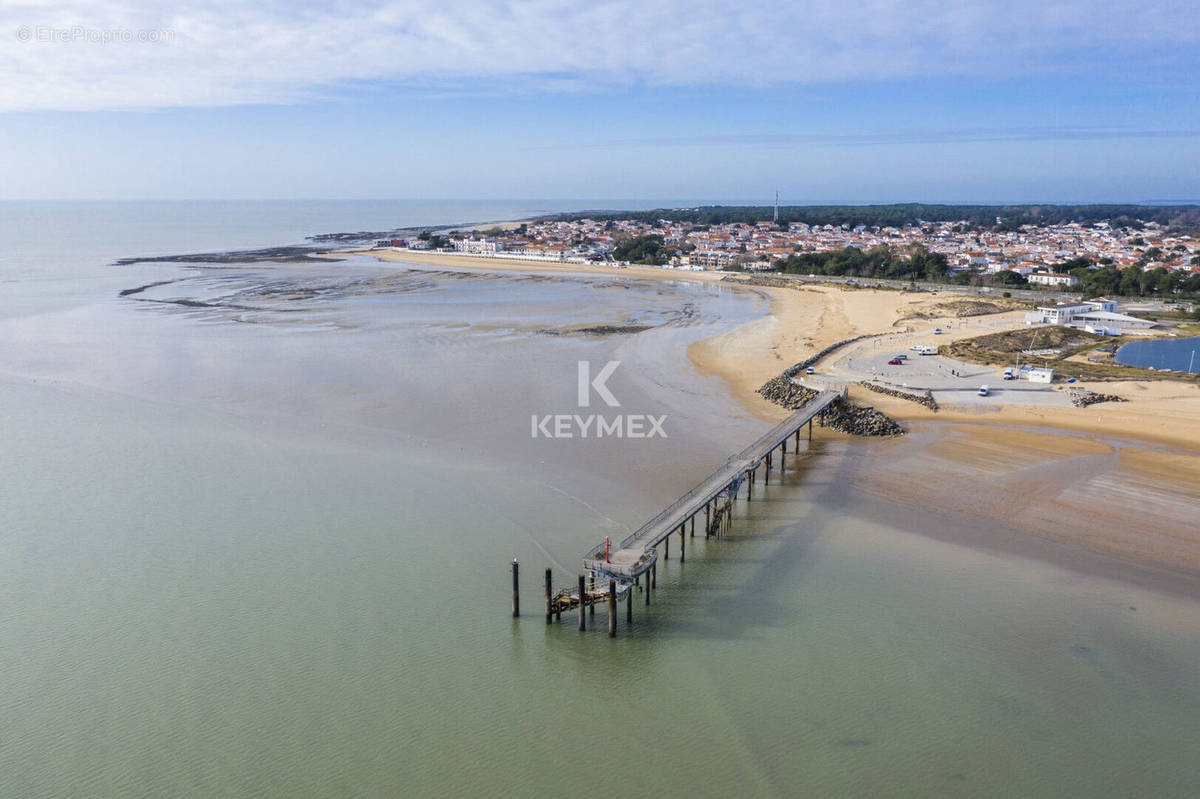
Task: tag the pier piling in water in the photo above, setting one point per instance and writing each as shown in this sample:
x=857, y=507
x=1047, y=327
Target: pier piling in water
x=516, y=591
x=582, y=615
x=682, y=549
x=612, y=608
x=629, y=608
x=548, y=593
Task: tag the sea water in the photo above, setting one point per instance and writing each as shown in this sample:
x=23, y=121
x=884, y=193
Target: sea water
x=259, y=544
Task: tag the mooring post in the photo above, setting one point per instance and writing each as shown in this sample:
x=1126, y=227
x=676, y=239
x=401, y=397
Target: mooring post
x=516, y=592
x=548, y=608
x=612, y=608
x=582, y=615
x=682, y=550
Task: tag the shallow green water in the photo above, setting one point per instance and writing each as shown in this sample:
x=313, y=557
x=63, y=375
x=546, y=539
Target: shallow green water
x=268, y=555
x=205, y=605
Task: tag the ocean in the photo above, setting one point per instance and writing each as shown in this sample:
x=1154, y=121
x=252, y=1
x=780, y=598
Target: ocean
x=257, y=520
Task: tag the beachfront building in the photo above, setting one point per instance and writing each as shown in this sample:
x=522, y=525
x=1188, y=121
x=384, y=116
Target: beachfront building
x=1052, y=279
x=712, y=259
x=1061, y=313
x=1096, y=316
x=473, y=246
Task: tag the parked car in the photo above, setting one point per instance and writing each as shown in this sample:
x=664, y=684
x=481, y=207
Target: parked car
x=809, y=371
x=895, y=362
x=902, y=357
x=937, y=331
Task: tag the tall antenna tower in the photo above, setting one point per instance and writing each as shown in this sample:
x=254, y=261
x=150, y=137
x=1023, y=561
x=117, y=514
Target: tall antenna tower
x=776, y=217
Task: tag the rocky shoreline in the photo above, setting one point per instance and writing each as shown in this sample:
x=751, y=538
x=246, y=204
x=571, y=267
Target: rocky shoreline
x=858, y=420
x=925, y=399
x=842, y=416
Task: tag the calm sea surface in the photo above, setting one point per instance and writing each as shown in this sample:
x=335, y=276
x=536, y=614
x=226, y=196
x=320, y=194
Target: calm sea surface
x=256, y=520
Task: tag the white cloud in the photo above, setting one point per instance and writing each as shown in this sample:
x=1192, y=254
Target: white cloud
x=218, y=52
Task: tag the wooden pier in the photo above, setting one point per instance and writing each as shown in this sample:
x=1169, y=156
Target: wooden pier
x=611, y=573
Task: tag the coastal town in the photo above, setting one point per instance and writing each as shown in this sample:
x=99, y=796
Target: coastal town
x=1037, y=253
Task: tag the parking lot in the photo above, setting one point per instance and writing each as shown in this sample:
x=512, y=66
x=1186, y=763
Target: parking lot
x=951, y=381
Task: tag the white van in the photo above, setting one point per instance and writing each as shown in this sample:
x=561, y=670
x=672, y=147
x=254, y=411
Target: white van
x=983, y=391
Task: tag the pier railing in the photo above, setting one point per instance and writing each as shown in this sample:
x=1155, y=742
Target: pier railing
x=729, y=473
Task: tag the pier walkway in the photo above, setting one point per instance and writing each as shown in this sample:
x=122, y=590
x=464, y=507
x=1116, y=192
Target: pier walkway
x=636, y=555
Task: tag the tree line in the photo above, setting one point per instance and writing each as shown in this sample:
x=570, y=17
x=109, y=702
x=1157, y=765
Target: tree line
x=978, y=217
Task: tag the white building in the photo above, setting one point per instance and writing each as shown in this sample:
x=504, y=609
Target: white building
x=1058, y=314
x=1053, y=279
x=478, y=246
x=1036, y=375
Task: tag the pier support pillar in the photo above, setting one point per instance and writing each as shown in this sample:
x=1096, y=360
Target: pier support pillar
x=810, y=421
x=516, y=591
x=797, y=439
x=682, y=548
x=767, y=471
x=654, y=576
x=647, y=591
x=582, y=615
x=707, y=521
x=548, y=613
x=667, y=547
x=629, y=607
x=612, y=608
x=692, y=532
x=592, y=607
x=784, y=446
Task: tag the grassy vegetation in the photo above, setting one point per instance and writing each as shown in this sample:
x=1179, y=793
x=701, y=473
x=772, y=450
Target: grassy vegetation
x=1078, y=355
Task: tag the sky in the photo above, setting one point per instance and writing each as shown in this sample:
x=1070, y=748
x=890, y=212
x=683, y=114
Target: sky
x=826, y=101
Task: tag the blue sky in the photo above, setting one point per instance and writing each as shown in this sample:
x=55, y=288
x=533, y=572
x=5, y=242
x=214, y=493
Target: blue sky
x=853, y=101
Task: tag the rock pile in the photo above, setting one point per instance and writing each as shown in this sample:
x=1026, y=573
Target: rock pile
x=807, y=362
x=925, y=399
x=783, y=392
x=1081, y=397
x=858, y=420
